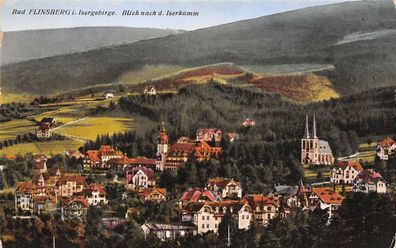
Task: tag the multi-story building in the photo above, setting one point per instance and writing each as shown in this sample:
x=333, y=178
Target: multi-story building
x=225, y=187
x=99, y=158
x=209, y=135
x=386, y=148
x=314, y=150
x=24, y=196
x=175, y=156
x=74, y=208
x=95, y=194
x=345, y=172
x=70, y=184
x=139, y=177
x=369, y=181
x=263, y=208
x=207, y=216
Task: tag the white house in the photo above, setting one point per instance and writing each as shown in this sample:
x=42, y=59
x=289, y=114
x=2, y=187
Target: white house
x=109, y=95
x=95, y=194
x=386, y=148
x=24, y=196
x=369, y=181
x=207, y=216
x=225, y=187
x=140, y=177
x=344, y=172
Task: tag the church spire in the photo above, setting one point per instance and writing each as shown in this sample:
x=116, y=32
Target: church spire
x=306, y=128
x=314, y=128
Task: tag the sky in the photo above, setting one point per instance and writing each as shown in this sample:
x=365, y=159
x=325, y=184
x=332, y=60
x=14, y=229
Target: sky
x=211, y=13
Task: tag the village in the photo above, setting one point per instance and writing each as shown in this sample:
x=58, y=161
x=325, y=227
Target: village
x=200, y=209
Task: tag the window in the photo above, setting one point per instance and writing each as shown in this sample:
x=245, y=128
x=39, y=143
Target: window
x=203, y=226
x=203, y=217
x=207, y=225
x=243, y=217
x=207, y=217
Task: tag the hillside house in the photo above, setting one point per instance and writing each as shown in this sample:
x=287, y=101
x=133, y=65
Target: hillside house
x=139, y=177
x=175, y=156
x=95, y=194
x=149, y=90
x=207, y=216
x=225, y=187
x=209, y=135
x=49, y=120
x=263, y=208
x=248, y=123
x=70, y=184
x=192, y=195
x=369, y=181
x=386, y=148
x=152, y=195
x=326, y=199
x=24, y=196
x=44, y=131
x=313, y=150
x=109, y=95
x=99, y=158
x=292, y=196
x=345, y=172
x=75, y=208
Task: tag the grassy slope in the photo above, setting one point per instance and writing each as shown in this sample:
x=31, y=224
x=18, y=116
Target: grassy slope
x=10, y=129
x=302, y=36
x=47, y=147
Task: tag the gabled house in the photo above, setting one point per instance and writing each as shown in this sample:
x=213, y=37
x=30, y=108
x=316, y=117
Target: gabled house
x=225, y=187
x=209, y=135
x=149, y=90
x=44, y=131
x=95, y=194
x=326, y=198
x=75, y=208
x=153, y=194
x=207, y=216
x=248, y=123
x=386, y=148
x=49, y=120
x=291, y=197
x=369, y=181
x=263, y=208
x=345, y=172
x=69, y=184
x=139, y=177
x=24, y=196
x=197, y=195
x=99, y=158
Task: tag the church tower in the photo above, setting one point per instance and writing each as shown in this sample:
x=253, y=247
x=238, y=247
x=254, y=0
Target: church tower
x=310, y=145
x=162, y=148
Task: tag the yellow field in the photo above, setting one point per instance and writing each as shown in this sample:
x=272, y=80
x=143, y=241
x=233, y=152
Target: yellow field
x=12, y=97
x=47, y=147
x=10, y=129
x=312, y=174
x=366, y=157
x=93, y=126
x=63, y=115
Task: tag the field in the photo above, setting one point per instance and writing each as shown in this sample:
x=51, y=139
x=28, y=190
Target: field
x=13, y=97
x=10, y=129
x=49, y=147
x=90, y=127
x=311, y=174
x=63, y=115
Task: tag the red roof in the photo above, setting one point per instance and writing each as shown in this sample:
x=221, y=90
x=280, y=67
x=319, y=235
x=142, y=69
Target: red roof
x=193, y=195
x=221, y=182
x=93, y=155
x=261, y=200
x=369, y=176
x=328, y=195
x=69, y=177
x=141, y=161
x=149, y=172
x=386, y=142
x=96, y=187
x=352, y=163
x=24, y=187
x=66, y=202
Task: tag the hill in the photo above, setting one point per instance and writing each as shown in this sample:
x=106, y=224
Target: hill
x=360, y=46
x=33, y=44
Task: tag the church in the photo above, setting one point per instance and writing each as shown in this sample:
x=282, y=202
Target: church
x=313, y=150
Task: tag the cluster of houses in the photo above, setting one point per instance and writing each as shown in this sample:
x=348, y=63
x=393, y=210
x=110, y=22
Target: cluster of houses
x=52, y=189
x=201, y=209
